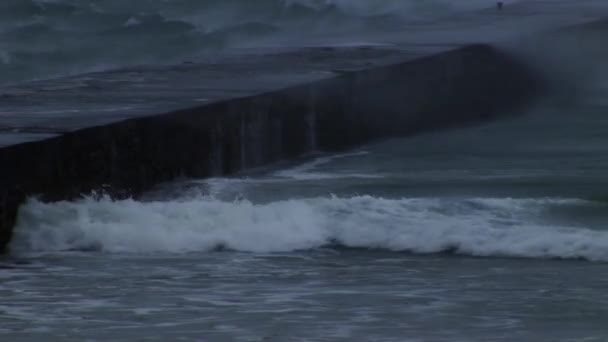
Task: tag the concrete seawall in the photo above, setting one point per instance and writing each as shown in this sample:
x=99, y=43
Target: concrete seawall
x=125, y=158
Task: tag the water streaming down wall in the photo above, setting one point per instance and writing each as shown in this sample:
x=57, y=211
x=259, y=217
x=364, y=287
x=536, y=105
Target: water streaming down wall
x=461, y=86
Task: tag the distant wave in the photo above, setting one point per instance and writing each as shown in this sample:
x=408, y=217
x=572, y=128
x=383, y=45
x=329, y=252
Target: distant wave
x=476, y=227
x=49, y=38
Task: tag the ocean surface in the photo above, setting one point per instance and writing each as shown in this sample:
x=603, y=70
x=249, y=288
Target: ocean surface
x=41, y=39
x=491, y=233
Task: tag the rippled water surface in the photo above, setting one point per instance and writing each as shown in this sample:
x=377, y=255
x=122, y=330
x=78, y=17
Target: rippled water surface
x=49, y=38
x=322, y=295
x=467, y=235
x=490, y=233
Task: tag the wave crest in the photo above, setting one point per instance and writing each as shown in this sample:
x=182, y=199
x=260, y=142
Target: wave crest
x=476, y=227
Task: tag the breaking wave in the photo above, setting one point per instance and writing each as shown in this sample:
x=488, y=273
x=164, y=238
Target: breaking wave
x=475, y=227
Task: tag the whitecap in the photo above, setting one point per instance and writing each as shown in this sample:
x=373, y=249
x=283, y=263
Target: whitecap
x=477, y=227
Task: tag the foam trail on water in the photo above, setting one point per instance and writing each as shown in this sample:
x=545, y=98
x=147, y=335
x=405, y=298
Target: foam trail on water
x=302, y=172
x=477, y=227
x=306, y=171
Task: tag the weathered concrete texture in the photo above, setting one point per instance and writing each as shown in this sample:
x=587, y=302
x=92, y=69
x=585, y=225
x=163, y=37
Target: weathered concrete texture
x=125, y=158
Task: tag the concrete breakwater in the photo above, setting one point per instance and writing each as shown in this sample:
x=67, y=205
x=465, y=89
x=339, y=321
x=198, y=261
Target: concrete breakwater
x=127, y=157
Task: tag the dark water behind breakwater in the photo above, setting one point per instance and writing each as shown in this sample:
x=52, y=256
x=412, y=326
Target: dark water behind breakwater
x=51, y=38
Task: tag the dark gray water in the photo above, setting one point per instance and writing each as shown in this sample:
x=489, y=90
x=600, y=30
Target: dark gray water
x=48, y=38
x=491, y=233
x=322, y=295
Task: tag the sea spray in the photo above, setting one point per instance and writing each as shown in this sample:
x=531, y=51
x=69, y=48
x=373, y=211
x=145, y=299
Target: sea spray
x=476, y=227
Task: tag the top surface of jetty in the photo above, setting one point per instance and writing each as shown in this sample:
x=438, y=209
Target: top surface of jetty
x=42, y=109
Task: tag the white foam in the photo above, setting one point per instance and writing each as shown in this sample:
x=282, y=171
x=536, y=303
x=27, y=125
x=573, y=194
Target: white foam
x=480, y=227
x=306, y=171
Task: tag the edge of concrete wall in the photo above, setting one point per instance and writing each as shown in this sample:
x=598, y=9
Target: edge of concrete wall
x=462, y=86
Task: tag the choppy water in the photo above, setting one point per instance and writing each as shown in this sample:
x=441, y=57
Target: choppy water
x=49, y=38
x=493, y=233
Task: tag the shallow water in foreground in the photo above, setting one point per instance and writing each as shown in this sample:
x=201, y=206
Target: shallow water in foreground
x=322, y=295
